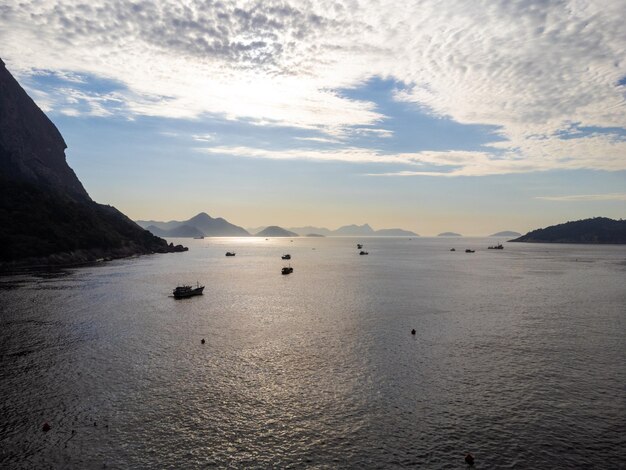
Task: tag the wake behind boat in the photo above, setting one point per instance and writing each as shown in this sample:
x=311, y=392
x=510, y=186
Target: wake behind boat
x=182, y=292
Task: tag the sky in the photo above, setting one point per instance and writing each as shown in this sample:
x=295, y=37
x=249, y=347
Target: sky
x=465, y=116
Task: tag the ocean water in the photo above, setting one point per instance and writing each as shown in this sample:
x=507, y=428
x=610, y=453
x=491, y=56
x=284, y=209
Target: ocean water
x=519, y=357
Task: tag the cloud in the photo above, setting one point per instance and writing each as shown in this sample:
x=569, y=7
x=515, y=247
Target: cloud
x=570, y=154
x=586, y=197
x=540, y=71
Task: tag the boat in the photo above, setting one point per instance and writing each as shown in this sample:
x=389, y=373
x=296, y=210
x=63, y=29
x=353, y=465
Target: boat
x=497, y=247
x=230, y=253
x=363, y=253
x=287, y=256
x=469, y=251
x=359, y=246
x=452, y=249
x=198, y=238
x=187, y=291
x=287, y=270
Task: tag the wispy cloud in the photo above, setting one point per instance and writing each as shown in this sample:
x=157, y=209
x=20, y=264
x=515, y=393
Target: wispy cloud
x=585, y=197
x=531, y=68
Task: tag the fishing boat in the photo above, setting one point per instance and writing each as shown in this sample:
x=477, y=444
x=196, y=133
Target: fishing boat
x=496, y=247
x=287, y=256
x=230, y=253
x=469, y=251
x=452, y=249
x=359, y=246
x=187, y=291
x=287, y=270
x=363, y=253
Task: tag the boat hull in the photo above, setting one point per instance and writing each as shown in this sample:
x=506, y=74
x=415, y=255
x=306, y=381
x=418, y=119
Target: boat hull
x=191, y=293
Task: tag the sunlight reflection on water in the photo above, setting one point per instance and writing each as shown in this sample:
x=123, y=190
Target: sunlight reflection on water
x=518, y=357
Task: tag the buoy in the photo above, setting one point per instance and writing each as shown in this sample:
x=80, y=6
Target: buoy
x=95, y=424
x=202, y=341
x=46, y=427
x=413, y=331
x=469, y=459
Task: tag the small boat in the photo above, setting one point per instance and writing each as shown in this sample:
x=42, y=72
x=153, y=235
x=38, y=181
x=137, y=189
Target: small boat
x=359, y=246
x=287, y=256
x=230, y=253
x=198, y=238
x=452, y=249
x=363, y=253
x=497, y=247
x=469, y=251
x=187, y=291
x=287, y=270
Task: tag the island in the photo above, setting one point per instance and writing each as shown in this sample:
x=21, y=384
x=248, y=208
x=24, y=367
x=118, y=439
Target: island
x=506, y=233
x=449, y=234
x=46, y=215
x=596, y=230
x=275, y=231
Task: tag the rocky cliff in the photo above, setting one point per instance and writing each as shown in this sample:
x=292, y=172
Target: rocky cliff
x=46, y=215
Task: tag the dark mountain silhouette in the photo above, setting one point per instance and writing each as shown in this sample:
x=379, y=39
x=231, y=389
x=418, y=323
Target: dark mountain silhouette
x=199, y=225
x=506, y=233
x=449, y=234
x=596, y=230
x=46, y=216
x=275, y=231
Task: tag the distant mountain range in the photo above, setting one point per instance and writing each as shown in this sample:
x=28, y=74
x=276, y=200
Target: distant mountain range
x=596, y=230
x=348, y=231
x=449, y=234
x=203, y=225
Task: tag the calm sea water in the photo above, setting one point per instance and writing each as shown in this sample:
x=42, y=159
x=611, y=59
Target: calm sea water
x=519, y=357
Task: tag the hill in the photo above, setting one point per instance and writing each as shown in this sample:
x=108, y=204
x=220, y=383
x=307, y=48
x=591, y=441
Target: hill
x=354, y=230
x=46, y=215
x=199, y=225
x=506, y=233
x=275, y=231
x=307, y=230
x=395, y=232
x=449, y=234
x=596, y=230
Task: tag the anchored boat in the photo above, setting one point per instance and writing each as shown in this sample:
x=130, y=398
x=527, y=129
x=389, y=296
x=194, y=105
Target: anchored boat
x=187, y=291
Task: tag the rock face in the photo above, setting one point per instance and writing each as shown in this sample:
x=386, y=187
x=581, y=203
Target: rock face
x=31, y=147
x=46, y=216
x=596, y=230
